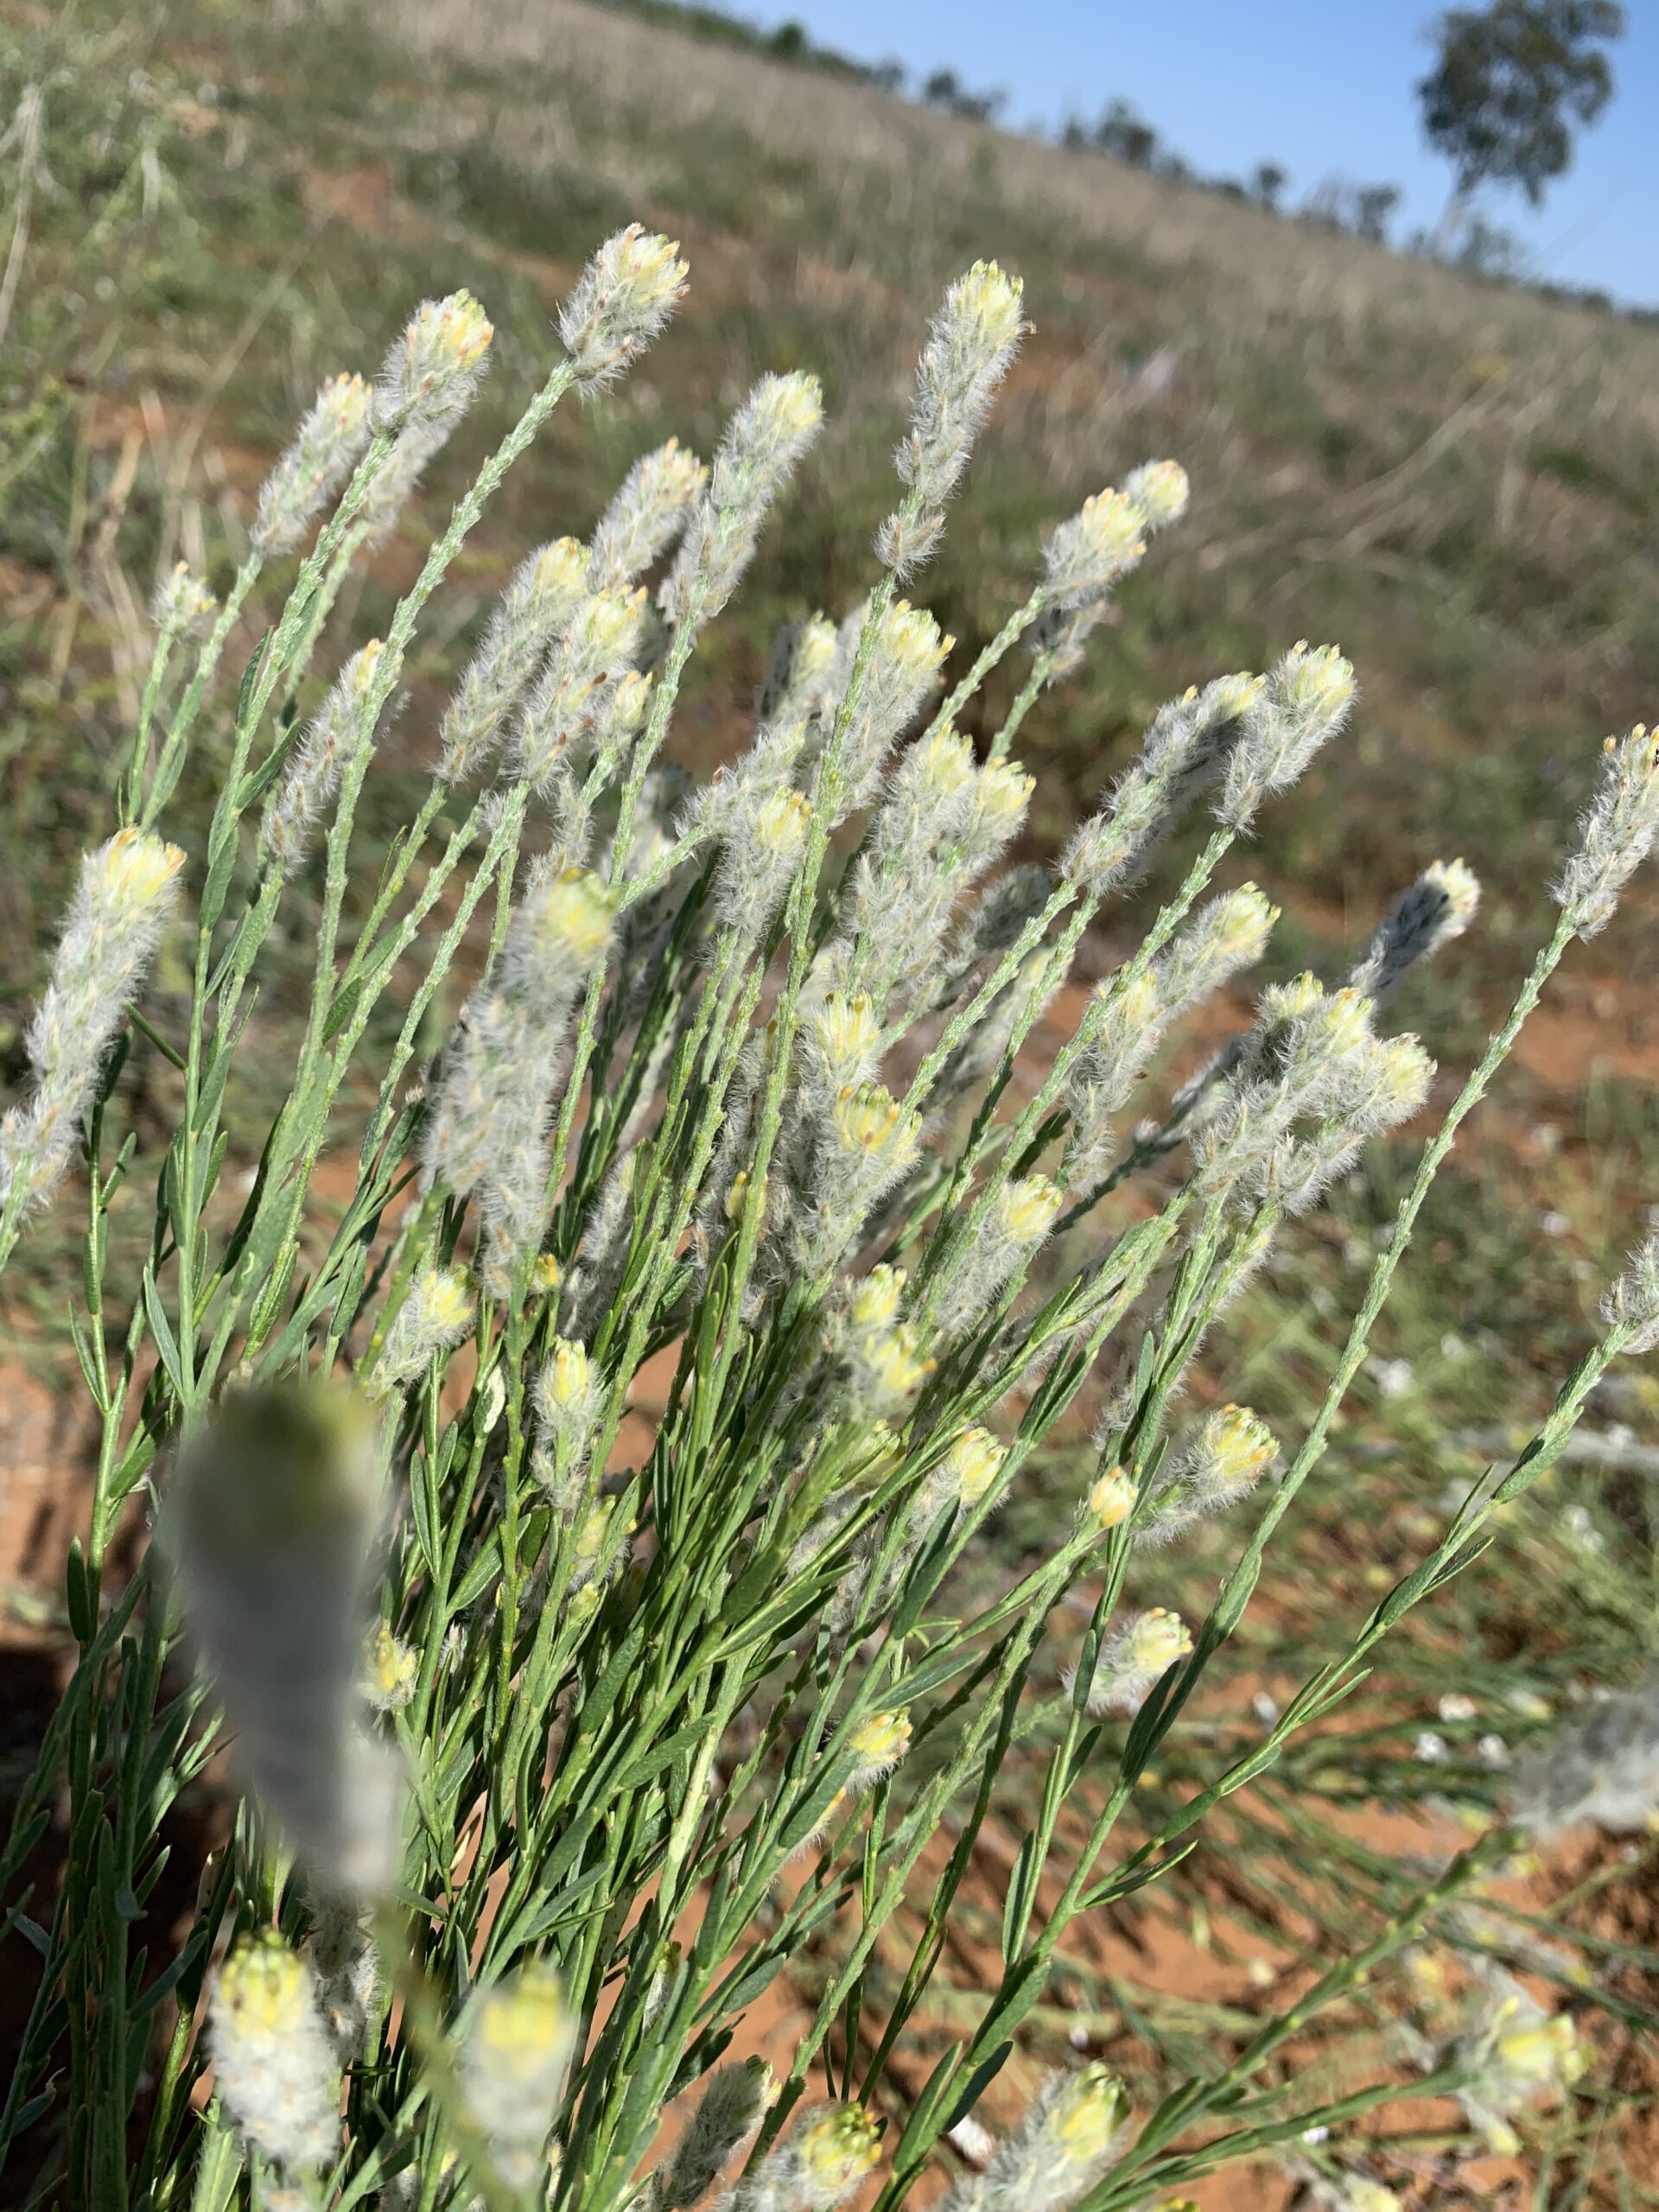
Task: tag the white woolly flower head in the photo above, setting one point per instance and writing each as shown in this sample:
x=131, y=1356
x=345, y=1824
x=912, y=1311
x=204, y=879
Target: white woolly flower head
x=181, y=602
x=1160, y=490
x=1632, y=1302
x=871, y=1125
x=763, y=445
x=1133, y=1658
x=1438, y=907
x=1616, y=833
x=430, y=376
x=970, y=1468
x=620, y=303
x=1229, y=933
x=1515, y=2055
x=877, y=1744
x=563, y=924
x=324, y=448
x=1024, y=1211
x=515, y=2041
x=544, y=594
x=649, y=510
x=1086, y=556
x=971, y=344
x=341, y=726
x=842, y=1036
x=271, y=1516
x=1067, y=2139
x=1306, y=700
x=391, y=1671
x=273, y=2064
x=124, y=899
x=819, y=2164
x=436, y=1314
x=734, y=2101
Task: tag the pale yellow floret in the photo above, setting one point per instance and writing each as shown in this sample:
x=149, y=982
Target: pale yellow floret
x=1112, y=1499
x=874, y=1302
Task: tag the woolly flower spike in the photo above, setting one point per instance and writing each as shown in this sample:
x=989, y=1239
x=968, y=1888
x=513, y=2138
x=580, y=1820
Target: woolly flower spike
x=1025, y=1210
x=1066, y=2141
x=564, y=921
x=621, y=301
x=1439, y=907
x=799, y=674
x=1220, y=1463
x=272, y=1515
x=870, y=1125
x=1231, y=1452
x=272, y=2063
x=971, y=1466
x=877, y=1745
x=1304, y=704
x=1603, y=1768
x=1125, y=1023
x=1112, y=1501
x=125, y=894
x=763, y=446
x=1616, y=835
x=1130, y=1662
x=1517, y=2055
x=319, y=761
x=431, y=374
x=901, y=671
x=393, y=1666
x=731, y=2108
x=1633, y=1301
x=1160, y=490
x=181, y=601
x=1086, y=556
x=1019, y=1217
x=843, y=1037
x=515, y=2041
x=764, y=845
x=874, y=1302
x=889, y=1366
x=830, y=2149
x=545, y=593
x=436, y=1314
x=646, y=515
x=489, y=1124
x=573, y=696
x=1313, y=1056
x=1183, y=751
x=1229, y=933
x=324, y=450
x=971, y=344
x=567, y=1402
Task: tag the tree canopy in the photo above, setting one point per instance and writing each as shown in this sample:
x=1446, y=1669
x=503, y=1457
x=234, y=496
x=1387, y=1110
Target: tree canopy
x=1512, y=81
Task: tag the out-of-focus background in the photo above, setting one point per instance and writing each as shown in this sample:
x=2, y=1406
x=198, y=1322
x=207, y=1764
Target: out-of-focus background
x=1420, y=418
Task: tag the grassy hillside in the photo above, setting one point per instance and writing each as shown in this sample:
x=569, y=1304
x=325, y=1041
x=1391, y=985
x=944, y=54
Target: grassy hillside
x=205, y=207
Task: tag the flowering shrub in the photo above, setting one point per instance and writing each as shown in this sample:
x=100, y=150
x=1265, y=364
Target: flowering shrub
x=550, y=1762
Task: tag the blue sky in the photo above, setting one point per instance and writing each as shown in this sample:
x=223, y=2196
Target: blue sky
x=1322, y=86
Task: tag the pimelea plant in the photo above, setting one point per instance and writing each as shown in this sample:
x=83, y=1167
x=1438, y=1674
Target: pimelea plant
x=552, y=1762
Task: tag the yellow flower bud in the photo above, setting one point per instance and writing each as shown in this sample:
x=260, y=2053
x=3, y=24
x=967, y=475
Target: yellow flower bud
x=1112, y=1499
x=973, y=1464
x=875, y=1301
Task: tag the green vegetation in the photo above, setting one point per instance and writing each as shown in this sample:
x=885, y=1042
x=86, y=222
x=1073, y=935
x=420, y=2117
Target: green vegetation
x=202, y=214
